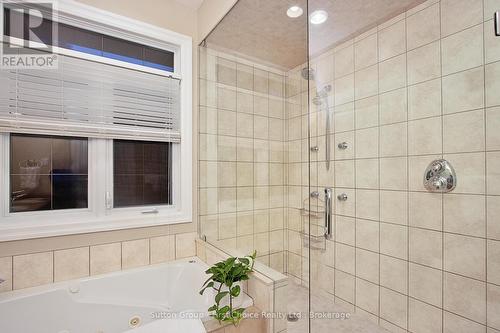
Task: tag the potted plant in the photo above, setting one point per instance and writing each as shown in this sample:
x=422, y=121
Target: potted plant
x=225, y=279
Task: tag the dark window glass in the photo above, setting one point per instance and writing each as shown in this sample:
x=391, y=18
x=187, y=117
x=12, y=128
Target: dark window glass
x=86, y=41
x=142, y=173
x=48, y=172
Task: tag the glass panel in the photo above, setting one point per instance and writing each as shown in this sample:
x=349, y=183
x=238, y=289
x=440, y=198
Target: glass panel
x=142, y=173
x=253, y=138
x=48, y=172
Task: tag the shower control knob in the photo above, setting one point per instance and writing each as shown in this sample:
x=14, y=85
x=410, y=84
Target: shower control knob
x=437, y=166
x=343, y=145
x=315, y=149
x=342, y=197
x=439, y=183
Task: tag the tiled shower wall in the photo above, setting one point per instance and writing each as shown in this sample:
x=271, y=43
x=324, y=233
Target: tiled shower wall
x=241, y=156
x=421, y=86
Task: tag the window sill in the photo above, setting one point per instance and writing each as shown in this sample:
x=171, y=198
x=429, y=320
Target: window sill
x=10, y=231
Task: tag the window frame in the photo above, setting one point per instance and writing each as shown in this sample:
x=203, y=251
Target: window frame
x=97, y=217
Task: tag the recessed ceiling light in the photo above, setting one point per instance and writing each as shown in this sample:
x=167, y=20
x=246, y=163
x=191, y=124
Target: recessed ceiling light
x=294, y=11
x=318, y=17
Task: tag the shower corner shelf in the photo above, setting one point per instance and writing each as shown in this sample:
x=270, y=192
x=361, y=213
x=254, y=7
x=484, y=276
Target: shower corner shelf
x=313, y=232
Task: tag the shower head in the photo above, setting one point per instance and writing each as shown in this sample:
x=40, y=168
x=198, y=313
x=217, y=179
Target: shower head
x=308, y=73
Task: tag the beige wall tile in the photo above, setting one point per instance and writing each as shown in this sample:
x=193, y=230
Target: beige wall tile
x=424, y=318
x=466, y=297
x=393, y=140
x=344, y=61
x=345, y=258
x=365, y=52
x=423, y=27
x=392, y=73
x=424, y=99
x=71, y=264
x=454, y=127
x=494, y=306
x=393, y=307
x=226, y=99
x=105, y=258
x=425, y=210
x=492, y=84
x=226, y=71
x=226, y=174
x=465, y=214
x=367, y=296
x=494, y=261
x=463, y=91
x=6, y=273
x=491, y=43
x=367, y=171
x=244, y=102
x=492, y=125
x=393, y=106
x=394, y=207
x=32, y=270
x=135, y=253
x=470, y=167
x=426, y=247
x=367, y=265
x=493, y=172
x=465, y=256
x=367, y=204
x=424, y=63
x=394, y=240
x=344, y=286
x=367, y=143
x=424, y=136
x=366, y=82
x=454, y=323
x=463, y=50
x=394, y=274
x=426, y=284
x=493, y=217
x=185, y=245
x=367, y=235
x=393, y=173
x=261, y=80
x=392, y=40
x=344, y=117
x=244, y=76
x=366, y=112
x=344, y=89
x=345, y=230
x=162, y=249
x=457, y=15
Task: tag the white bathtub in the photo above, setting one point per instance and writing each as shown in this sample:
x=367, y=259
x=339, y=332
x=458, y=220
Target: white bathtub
x=164, y=298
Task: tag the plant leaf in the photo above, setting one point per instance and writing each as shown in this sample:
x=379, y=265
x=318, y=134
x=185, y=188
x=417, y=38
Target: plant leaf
x=235, y=291
x=220, y=296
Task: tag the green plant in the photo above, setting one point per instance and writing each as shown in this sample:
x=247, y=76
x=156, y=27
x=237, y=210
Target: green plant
x=224, y=279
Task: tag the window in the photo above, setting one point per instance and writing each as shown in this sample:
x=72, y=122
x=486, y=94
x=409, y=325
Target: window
x=104, y=139
x=47, y=173
x=90, y=42
x=141, y=173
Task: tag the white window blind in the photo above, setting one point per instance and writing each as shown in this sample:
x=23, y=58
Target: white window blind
x=87, y=98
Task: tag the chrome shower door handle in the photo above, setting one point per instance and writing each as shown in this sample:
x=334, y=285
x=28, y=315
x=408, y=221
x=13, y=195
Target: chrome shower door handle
x=328, y=213
x=497, y=23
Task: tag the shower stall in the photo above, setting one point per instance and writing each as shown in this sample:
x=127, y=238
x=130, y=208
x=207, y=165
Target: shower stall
x=355, y=145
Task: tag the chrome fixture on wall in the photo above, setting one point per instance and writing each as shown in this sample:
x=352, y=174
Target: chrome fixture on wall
x=440, y=177
x=342, y=197
x=343, y=145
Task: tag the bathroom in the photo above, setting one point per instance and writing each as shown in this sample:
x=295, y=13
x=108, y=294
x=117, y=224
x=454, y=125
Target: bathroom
x=340, y=157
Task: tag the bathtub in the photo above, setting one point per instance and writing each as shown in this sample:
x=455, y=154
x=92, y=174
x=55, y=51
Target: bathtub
x=159, y=298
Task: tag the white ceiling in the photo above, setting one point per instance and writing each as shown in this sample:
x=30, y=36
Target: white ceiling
x=195, y=4
x=260, y=29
